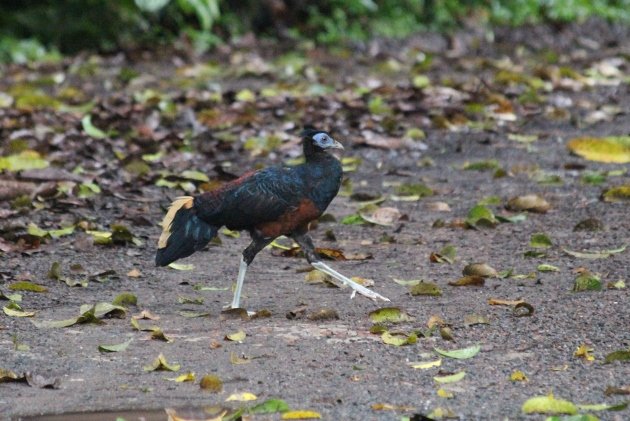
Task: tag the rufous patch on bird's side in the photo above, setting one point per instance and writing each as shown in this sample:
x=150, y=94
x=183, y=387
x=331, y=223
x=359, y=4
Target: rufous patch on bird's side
x=185, y=202
x=305, y=212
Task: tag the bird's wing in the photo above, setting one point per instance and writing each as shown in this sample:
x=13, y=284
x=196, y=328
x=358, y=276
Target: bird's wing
x=260, y=197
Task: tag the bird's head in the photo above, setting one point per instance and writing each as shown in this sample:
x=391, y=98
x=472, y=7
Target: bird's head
x=318, y=140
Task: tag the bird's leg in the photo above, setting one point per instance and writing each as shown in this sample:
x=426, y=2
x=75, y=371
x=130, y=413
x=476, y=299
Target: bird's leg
x=306, y=243
x=258, y=243
x=239, y=283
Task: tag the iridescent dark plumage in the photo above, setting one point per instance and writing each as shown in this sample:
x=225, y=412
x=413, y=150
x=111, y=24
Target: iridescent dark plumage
x=267, y=203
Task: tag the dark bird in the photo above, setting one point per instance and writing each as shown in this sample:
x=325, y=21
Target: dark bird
x=268, y=203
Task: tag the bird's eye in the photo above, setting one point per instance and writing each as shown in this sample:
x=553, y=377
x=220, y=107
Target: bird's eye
x=321, y=138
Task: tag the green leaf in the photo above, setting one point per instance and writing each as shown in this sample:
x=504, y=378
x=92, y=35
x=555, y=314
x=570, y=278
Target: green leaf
x=460, y=354
x=269, y=406
x=125, y=299
x=27, y=286
x=114, y=348
x=450, y=378
x=548, y=405
x=15, y=310
x=481, y=216
x=540, y=240
x=488, y=165
x=25, y=160
x=353, y=220
x=547, y=268
x=90, y=129
x=587, y=282
x=595, y=254
x=425, y=288
x=389, y=315
x=399, y=338
x=621, y=355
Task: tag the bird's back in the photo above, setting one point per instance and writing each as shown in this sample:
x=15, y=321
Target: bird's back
x=275, y=194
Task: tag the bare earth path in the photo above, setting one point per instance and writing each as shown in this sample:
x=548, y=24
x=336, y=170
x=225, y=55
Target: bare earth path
x=517, y=100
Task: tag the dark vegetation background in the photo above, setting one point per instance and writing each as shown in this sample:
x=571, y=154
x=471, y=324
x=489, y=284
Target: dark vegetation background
x=42, y=29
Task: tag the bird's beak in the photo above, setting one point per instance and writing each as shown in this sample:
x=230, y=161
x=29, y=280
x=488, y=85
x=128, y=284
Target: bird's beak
x=336, y=145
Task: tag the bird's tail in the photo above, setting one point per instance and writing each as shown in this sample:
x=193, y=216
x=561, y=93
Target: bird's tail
x=183, y=232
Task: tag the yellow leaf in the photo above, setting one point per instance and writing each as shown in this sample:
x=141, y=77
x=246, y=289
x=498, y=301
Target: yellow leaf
x=242, y=397
x=444, y=393
x=518, y=376
x=301, y=415
x=452, y=378
x=426, y=364
x=236, y=336
x=584, y=351
x=613, y=149
x=187, y=377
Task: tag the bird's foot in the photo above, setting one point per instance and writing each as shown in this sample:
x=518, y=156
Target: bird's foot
x=355, y=286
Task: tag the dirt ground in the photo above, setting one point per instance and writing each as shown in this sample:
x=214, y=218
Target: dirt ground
x=336, y=367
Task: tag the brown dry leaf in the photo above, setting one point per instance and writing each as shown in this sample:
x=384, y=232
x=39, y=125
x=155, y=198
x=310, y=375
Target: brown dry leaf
x=500, y=302
x=469, y=280
x=323, y=314
x=438, y=207
x=211, y=383
x=480, y=269
x=435, y=321
x=385, y=216
x=134, y=273
x=529, y=202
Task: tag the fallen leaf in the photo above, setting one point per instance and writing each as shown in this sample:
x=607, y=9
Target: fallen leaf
x=242, y=397
x=621, y=355
x=25, y=160
x=160, y=363
x=211, y=383
x=500, y=302
x=300, y=415
x=236, y=360
x=399, y=338
x=181, y=266
x=125, y=299
x=238, y=336
x=385, y=216
x=134, y=273
x=445, y=393
x=547, y=268
x=540, y=240
x=27, y=286
x=425, y=288
x=480, y=269
x=518, y=376
x=424, y=365
x=617, y=194
x=548, y=405
x=389, y=407
x=114, y=348
x=612, y=149
x=523, y=309
x=529, y=202
x=451, y=378
x=90, y=129
x=481, y=216
x=445, y=255
x=595, y=254
x=186, y=377
x=587, y=282
x=584, y=351
x=323, y=314
x=459, y=354
x=470, y=280
x=389, y=315
x=15, y=310
x=270, y=406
